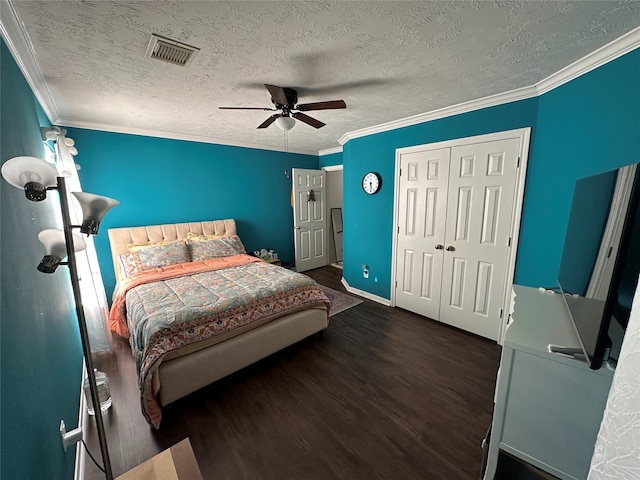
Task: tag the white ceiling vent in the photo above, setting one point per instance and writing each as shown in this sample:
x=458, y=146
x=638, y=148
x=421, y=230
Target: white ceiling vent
x=170, y=51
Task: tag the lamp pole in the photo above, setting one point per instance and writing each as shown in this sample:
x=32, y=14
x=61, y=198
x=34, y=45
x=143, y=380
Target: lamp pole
x=84, y=334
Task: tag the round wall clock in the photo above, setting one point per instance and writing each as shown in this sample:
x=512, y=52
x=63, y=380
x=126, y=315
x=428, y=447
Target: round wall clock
x=371, y=183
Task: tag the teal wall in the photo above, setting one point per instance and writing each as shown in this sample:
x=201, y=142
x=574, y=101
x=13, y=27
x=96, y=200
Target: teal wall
x=40, y=353
x=167, y=181
x=331, y=159
x=368, y=219
x=587, y=126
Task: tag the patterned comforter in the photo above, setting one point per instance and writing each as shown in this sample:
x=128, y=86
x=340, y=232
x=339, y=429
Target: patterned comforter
x=165, y=309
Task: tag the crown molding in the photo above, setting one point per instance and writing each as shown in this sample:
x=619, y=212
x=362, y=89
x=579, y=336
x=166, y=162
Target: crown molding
x=619, y=47
x=173, y=136
x=615, y=49
x=15, y=36
x=490, y=101
x=330, y=151
x=17, y=40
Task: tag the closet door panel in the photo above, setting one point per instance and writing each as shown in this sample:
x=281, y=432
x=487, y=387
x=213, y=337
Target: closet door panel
x=422, y=208
x=478, y=224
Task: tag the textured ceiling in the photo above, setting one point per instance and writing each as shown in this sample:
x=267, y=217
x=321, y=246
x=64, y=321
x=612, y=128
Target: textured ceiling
x=387, y=60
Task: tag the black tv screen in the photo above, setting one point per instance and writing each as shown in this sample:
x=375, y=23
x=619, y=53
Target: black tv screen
x=599, y=266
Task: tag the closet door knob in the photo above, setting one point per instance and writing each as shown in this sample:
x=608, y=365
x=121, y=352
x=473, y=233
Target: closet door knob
x=439, y=246
x=450, y=248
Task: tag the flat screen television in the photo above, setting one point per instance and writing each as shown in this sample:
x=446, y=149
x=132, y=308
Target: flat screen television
x=601, y=260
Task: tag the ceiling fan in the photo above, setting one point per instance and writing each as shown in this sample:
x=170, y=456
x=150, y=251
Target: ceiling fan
x=286, y=100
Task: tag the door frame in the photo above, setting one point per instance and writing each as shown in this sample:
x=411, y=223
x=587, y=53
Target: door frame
x=524, y=135
x=332, y=168
x=328, y=168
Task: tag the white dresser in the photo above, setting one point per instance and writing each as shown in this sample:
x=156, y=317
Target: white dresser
x=548, y=408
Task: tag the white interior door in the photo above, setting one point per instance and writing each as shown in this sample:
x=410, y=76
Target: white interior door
x=309, y=218
x=424, y=178
x=482, y=183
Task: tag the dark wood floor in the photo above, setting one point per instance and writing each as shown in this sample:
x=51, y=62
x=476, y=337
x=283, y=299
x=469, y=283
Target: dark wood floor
x=383, y=394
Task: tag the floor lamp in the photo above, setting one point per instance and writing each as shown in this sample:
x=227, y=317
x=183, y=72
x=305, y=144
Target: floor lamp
x=36, y=177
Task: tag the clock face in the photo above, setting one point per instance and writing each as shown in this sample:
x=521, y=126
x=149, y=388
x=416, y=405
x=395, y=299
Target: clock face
x=371, y=183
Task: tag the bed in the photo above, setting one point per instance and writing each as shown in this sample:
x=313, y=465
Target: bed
x=193, y=318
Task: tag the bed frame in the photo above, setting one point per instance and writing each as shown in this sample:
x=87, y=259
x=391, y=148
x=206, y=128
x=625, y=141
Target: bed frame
x=185, y=374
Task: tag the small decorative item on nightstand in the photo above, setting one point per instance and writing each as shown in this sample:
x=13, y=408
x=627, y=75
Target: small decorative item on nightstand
x=268, y=255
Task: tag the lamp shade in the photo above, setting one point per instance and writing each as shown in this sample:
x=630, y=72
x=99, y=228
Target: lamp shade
x=55, y=248
x=53, y=133
x=32, y=174
x=285, y=123
x=94, y=207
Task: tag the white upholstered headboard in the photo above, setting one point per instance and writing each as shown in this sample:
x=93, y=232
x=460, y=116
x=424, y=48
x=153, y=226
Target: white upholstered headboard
x=121, y=238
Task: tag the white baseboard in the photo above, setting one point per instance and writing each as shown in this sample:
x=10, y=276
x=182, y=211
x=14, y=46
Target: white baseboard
x=364, y=294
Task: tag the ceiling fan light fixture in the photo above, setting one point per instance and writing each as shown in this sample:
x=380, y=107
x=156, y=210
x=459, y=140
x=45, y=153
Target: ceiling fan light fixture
x=284, y=99
x=285, y=123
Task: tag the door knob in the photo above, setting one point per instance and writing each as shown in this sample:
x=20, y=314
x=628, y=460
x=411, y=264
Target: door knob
x=450, y=248
x=439, y=246
x=297, y=228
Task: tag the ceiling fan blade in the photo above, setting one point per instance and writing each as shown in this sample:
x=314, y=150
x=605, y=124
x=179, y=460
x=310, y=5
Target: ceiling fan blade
x=308, y=120
x=277, y=93
x=269, y=121
x=248, y=108
x=322, y=105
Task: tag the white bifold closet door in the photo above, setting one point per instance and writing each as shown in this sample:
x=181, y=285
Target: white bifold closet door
x=455, y=208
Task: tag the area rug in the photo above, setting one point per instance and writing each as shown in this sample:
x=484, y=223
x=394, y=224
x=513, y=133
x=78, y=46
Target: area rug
x=339, y=301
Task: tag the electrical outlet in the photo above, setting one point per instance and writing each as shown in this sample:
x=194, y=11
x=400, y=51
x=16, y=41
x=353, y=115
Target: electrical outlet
x=69, y=438
x=365, y=271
